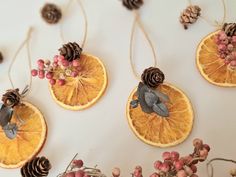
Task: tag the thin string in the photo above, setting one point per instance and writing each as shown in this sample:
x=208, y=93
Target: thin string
x=210, y=169
x=25, y=42
x=85, y=22
x=137, y=21
x=215, y=23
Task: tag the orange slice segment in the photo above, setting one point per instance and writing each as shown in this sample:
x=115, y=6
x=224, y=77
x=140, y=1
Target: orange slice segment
x=211, y=66
x=160, y=131
x=83, y=91
x=30, y=138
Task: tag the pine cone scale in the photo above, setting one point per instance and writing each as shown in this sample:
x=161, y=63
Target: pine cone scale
x=51, y=13
x=153, y=77
x=71, y=51
x=11, y=98
x=132, y=4
x=190, y=15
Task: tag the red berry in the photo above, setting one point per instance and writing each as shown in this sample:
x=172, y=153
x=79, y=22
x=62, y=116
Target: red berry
x=165, y=167
x=34, y=72
x=233, y=63
x=203, y=153
x=78, y=163
x=55, y=64
x=174, y=155
x=61, y=58
x=41, y=74
x=155, y=175
x=179, y=165
x=166, y=156
x=194, y=168
x=157, y=165
x=194, y=175
x=234, y=39
x=41, y=67
x=40, y=62
x=181, y=173
x=65, y=63
x=61, y=82
x=78, y=68
x=71, y=174
x=49, y=75
x=75, y=63
x=55, y=58
x=52, y=81
x=139, y=168
x=207, y=147
x=197, y=143
x=79, y=173
x=188, y=170
x=116, y=172
x=74, y=74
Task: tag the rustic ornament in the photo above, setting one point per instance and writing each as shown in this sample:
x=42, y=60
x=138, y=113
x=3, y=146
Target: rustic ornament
x=51, y=13
x=190, y=15
x=132, y=4
x=229, y=29
x=153, y=77
x=11, y=98
x=71, y=51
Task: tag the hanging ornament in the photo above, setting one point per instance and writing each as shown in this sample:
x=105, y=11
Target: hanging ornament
x=158, y=113
x=51, y=13
x=77, y=79
x=23, y=127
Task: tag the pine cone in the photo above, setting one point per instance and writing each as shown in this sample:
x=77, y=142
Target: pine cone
x=38, y=167
x=190, y=15
x=11, y=98
x=1, y=57
x=51, y=13
x=71, y=51
x=230, y=29
x=152, y=77
x=132, y=4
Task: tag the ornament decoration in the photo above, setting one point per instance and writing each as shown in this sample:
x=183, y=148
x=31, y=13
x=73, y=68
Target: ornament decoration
x=37, y=167
x=1, y=58
x=51, y=13
x=190, y=15
x=229, y=29
x=172, y=165
x=153, y=77
x=71, y=51
x=132, y=4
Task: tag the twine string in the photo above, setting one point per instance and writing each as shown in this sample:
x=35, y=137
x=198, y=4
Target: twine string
x=137, y=21
x=24, y=43
x=210, y=168
x=85, y=22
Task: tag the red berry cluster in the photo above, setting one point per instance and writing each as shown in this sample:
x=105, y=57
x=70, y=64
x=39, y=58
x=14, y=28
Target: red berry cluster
x=58, y=70
x=226, y=48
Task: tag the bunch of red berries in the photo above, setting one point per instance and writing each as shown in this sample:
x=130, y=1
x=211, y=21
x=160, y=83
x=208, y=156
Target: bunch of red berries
x=58, y=70
x=226, y=48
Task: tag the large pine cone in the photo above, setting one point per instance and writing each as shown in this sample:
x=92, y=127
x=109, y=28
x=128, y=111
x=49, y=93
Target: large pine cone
x=153, y=77
x=71, y=51
x=230, y=29
x=1, y=57
x=132, y=4
x=190, y=15
x=51, y=13
x=38, y=167
x=11, y=98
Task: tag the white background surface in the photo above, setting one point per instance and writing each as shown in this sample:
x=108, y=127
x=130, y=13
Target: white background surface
x=101, y=134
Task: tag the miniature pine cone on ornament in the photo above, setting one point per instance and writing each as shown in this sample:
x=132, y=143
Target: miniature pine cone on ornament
x=153, y=77
x=1, y=57
x=132, y=4
x=71, y=51
x=11, y=98
x=38, y=167
x=190, y=15
x=51, y=13
x=230, y=29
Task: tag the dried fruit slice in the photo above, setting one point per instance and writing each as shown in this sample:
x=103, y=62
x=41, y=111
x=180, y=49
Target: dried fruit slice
x=84, y=90
x=211, y=66
x=30, y=138
x=161, y=131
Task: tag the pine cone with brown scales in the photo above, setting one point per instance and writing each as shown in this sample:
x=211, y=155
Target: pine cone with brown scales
x=11, y=98
x=1, y=57
x=230, y=29
x=190, y=15
x=132, y=4
x=71, y=51
x=153, y=77
x=51, y=13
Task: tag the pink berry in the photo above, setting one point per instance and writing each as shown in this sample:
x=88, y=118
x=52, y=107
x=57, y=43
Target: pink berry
x=61, y=82
x=194, y=175
x=75, y=63
x=181, y=173
x=223, y=36
x=34, y=72
x=52, y=81
x=139, y=168
x=86, y=175
x=233, y=63
x=203, y=153
x=78, y=68
x=41, y=74
x=188, y=170
x=227, y=62
x=49, y=75
x=116, y=172
x=65, y=63
x=40, y=62
x=197, y=143
x=157, y=165
x=165, y=167
x=155, y=175
x=55, y=58
x=61, y=58
x=221, y=47
x=174, y=155
x=234, y=39
x=194, y=168
x=230, y=47
x=79, y=173
x=55, y=64
x=179, y=165
x=78, y=163
x=71, y=174
x=74, y=74
x=41, y=67
x=207, y=147
x=166, y=156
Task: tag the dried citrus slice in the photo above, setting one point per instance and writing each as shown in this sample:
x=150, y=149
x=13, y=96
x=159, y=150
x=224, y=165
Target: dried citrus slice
x=30, y=138
x=162, y=131
x=84, y=90
x=211, y=66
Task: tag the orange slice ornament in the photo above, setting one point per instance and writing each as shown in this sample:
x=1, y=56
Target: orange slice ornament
x=216, y=56
x=77, y=80
x=158, y=113
x=23, y=130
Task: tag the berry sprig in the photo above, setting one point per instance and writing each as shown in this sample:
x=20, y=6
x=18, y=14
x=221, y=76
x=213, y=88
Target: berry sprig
x=58, y=70
x=226, y=48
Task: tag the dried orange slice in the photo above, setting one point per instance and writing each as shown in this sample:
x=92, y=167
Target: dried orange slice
x=30, y=138
x=83, y=91
x=211, y=66
x=162, y=131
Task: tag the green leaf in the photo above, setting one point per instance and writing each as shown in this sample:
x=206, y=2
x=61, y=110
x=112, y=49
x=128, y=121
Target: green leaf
x=161, y=109
x=164, y=98
x=5, y=115
x=150, y=98
x=141, y=97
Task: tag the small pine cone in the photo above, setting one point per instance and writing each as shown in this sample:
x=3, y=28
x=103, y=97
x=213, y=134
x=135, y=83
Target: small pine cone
x=132, y=4
x=230, y=29
x=37, y=167
x=51, y=13
x=11, y=98
x=71, y=51
x=1, y=57
x=190, y=15
x=153, y=77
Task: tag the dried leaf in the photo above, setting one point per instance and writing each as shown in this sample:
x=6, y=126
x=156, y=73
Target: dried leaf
x=141, y=97
x=5, y=115
x=150, y=98
x=164, y=98
x=161, y=109
x=11, y=130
